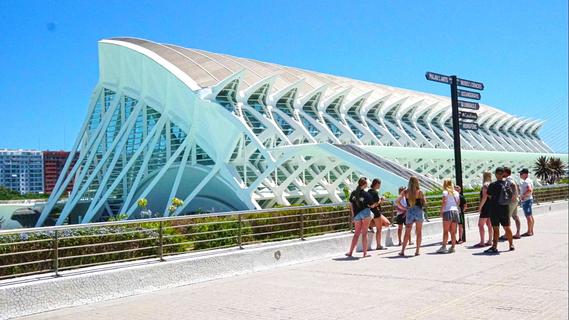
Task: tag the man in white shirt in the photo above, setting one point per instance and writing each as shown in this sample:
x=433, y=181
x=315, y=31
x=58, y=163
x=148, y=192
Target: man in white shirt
x=526, y=198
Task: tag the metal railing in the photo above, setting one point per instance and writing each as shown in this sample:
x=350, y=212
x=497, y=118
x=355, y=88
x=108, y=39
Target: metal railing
x=55, y=249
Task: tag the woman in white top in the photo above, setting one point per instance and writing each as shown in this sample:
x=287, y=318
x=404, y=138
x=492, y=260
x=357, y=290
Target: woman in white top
x=449, y=213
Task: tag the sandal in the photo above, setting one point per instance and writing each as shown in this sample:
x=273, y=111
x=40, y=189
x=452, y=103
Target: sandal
x=512, y=248
x=401, y=254
x=479, y=245
x=491, y=250
x=489, y=243
x=516, y=237
x=526, y=235
x=417, y=254
x=348, y=255
x=442, y=250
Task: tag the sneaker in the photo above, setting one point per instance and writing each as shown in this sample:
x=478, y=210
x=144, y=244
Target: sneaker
x=451, y=250
x=442, y=250
x=491, y=250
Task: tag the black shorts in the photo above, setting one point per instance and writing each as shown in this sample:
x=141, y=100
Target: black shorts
x=460, y=218
x=376, y=213
x=500, y=215
x=485, y=212
x=400, y=218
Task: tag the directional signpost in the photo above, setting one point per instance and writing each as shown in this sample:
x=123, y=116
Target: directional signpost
x=460, y=119
x=470, y=84
x=469, y=125
x=468, y=105
x=467, y=115
x=468, y=94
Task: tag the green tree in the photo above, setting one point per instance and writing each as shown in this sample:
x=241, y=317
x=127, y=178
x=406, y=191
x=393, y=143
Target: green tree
x=541, y=169
x=557, y=169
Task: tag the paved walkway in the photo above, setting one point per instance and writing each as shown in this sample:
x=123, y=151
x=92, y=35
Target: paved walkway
x=529, y=283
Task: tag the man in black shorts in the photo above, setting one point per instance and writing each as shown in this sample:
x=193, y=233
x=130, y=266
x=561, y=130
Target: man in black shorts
x=499, y=210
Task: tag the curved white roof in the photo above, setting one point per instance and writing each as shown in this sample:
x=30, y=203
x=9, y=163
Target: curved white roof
x=213, y=71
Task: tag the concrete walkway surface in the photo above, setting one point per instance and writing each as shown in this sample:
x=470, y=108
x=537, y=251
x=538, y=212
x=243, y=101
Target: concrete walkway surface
x=528, y=283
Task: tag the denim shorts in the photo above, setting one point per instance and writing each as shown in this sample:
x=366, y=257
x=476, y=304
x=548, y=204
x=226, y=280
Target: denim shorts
x=452, y=216
x=364, y=214
x=414, y=214
x=526, y=206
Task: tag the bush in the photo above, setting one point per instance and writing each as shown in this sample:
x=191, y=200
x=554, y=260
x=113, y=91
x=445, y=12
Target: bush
x=273, y=226
x=9, y=194
x=212, y=232
x=85, y=246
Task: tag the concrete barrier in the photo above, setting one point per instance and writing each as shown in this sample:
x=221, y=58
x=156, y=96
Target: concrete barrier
x=29, y=295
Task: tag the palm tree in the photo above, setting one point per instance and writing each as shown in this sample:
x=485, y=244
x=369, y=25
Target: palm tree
x=557, y=168
x=541, y=169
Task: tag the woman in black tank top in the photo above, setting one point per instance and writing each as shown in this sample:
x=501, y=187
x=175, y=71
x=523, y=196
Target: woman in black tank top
x=484, y=209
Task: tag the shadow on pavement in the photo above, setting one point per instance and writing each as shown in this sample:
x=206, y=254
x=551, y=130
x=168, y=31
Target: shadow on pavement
x=346, y=259
x=399, y=257
x=481, y=253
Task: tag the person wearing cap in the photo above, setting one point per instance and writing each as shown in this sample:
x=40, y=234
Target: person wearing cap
x=526, y=198
x=499, y=210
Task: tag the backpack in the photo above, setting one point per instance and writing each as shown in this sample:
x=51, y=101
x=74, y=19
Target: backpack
x=506, y=193
x=357, y=199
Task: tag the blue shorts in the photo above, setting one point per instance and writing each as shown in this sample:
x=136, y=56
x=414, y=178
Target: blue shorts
x=364, y=214
x=415, y=214
x=526, y=206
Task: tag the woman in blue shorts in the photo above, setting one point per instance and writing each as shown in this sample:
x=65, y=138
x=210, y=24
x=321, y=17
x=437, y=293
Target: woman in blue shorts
x=360, y=200
x=415, y=203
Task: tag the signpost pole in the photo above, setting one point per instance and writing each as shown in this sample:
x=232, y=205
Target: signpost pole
x=456, y=138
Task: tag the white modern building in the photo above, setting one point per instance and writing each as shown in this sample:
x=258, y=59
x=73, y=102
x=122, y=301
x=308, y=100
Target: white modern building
x=225, y=133
x=21, y=170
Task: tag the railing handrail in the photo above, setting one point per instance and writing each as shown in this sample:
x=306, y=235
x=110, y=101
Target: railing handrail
x=163, y=219
x=198, y=216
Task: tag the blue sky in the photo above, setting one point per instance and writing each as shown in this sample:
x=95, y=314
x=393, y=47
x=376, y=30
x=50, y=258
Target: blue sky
x=48, y=51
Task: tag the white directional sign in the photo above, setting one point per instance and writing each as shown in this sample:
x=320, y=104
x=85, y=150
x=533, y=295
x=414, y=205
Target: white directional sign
x=468, y=94
x=469, y=125
x=437, y=77
x=470, y=84
x=467, y=115
x=468, y=105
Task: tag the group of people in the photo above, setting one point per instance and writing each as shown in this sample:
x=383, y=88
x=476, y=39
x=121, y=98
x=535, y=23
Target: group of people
x=499, y=200
x=499, y=205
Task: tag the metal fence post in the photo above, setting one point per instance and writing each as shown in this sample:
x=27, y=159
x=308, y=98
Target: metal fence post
x=161, y=240
x=301, y=226
x=239, y=240
x=56, y=253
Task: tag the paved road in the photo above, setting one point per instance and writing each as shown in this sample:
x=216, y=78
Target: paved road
x=529, y=283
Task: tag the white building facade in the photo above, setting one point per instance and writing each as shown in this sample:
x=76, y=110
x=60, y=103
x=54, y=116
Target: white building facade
x=224, y=133
x=21, y=170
